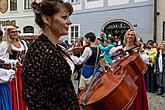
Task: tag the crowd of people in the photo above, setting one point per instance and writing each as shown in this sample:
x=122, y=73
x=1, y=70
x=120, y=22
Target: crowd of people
x=38, y=77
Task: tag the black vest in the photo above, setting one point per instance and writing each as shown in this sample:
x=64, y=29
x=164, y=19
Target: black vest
x=92, y=59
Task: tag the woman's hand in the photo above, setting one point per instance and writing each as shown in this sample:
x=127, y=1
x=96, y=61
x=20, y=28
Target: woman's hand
x=18, y=63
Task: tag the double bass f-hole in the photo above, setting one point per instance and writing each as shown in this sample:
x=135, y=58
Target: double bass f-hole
x=119, y=67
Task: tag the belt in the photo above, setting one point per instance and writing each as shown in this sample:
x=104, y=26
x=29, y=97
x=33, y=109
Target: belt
x=5, y=66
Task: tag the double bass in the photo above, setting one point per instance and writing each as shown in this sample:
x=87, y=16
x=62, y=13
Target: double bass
x=116, y=89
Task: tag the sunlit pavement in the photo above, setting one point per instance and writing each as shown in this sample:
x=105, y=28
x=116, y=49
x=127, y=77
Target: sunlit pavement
x=156, y=102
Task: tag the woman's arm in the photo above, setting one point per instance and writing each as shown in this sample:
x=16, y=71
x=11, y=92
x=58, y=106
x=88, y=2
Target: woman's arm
x=6, y=75
x=107, y=48
x=4, y=55
x=83, y=58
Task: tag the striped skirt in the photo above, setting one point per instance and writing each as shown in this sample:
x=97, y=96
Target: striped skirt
x=5, y=99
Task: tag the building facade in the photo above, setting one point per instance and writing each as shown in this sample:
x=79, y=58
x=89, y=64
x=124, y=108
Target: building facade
x=160, y=27
x=110, y=16
x=19, y=13
x=114, y=17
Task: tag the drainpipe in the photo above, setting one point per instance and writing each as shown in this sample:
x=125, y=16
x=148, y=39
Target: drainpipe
x=155, y=21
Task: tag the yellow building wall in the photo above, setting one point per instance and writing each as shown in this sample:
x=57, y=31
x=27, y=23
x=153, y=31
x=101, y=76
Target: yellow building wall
x=160, y=19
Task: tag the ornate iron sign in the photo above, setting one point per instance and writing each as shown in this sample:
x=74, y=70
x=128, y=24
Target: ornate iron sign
x=3, y=6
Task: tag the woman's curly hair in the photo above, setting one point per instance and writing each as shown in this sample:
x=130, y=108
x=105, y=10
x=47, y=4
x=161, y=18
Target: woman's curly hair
x=48, y=8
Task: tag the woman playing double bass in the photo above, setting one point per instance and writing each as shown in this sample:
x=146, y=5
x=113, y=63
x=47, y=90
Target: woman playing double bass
x=140, y=102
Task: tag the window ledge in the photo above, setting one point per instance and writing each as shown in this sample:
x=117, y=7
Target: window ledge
x=14, y=11
x=28, y=10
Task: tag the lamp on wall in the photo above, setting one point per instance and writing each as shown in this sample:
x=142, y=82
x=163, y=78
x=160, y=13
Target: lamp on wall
x=135, y=25
x=157, y=13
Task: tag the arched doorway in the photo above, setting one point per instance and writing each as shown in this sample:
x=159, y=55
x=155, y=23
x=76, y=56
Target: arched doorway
x=116, y=28
x=28, y=29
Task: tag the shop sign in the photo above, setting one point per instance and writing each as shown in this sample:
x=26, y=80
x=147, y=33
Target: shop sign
x=8, y=23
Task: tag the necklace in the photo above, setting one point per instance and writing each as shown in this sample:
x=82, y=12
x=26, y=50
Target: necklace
x=16, y=44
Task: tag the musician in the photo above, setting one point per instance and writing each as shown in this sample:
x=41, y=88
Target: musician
x=6, y=74
x=105, y=49
x=140, y=103
x=47, y=68
x=89, y=59
x=17, y=50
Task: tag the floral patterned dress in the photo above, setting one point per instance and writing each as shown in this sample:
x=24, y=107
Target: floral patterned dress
x=46, y=78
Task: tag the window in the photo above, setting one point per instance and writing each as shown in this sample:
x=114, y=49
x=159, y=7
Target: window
x=139, y=0
x=28, y=29
x=27, y=4
x=164, y=30
x=13, y=5
x=74, y=1
x=91, y=0
x=75, y=32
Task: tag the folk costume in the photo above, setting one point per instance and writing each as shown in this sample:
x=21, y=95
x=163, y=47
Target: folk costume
x=46, y=78
x=17, y=53
x=5, y=98
x=89, y=59
x=106, y=54
x=5, y=76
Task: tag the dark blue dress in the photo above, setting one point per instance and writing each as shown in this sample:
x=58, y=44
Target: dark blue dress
x=5, y=99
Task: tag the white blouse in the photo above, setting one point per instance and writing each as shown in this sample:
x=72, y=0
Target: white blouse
x=71, y=64
x=23, y=46
x=6, y=75
x=4, y=55
x=142, y=55
x=83, y=58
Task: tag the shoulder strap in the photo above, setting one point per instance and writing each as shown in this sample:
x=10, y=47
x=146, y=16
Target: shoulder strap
x=23, y=42
x=95, y=75
x=96, y=58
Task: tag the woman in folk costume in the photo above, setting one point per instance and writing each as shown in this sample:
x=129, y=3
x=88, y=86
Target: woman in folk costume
x=161, y=69
x=89, y=59
x=17, y=49
x=105, y=49
x=140, y=102
x=6, y=74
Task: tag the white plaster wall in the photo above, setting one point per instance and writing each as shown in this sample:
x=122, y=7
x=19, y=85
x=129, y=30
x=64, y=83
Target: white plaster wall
x=160, y=19
x=77, y=6
x=140, y=0
x=94, y=4
x=117, y=2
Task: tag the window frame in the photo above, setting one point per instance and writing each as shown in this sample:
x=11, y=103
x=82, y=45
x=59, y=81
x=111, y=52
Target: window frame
x=28, y=29
x=163, y=30
x=74, y=37
x=27, y=4
x=74, y=2
x=12, y=7
x=92, y=0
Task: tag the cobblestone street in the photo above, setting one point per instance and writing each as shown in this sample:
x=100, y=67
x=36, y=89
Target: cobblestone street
x=156, y=102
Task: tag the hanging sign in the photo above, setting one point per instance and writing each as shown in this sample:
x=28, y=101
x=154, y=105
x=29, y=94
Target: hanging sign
x=3, y=6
